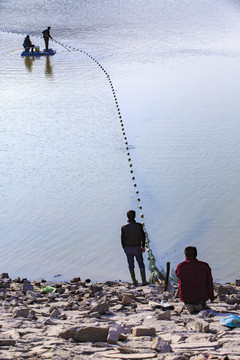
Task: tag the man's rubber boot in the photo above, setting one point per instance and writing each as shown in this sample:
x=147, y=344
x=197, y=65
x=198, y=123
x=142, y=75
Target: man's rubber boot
x=134, y=281
x=143, y=276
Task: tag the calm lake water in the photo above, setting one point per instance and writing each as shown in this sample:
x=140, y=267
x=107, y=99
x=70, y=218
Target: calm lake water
x=65, y=182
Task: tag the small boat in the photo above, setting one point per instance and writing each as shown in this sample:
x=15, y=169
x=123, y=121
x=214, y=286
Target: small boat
x=38, y=53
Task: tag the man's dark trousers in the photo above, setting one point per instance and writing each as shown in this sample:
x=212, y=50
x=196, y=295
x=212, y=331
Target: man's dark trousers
x=131, y=252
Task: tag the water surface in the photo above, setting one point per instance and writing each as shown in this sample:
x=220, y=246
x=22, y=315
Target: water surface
x=65, y=180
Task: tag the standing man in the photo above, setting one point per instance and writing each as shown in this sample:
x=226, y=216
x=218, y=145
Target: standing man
x=46, y=36
x=133, y=243
x=195, y=281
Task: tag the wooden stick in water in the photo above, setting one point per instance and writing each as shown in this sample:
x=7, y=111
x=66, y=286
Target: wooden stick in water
x=167, y=276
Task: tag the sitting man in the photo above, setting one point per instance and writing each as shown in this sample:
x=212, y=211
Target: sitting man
x=195, y=281
x=27, y=44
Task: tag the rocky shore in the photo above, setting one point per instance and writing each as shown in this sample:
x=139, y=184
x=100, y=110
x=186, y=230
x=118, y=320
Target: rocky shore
x=112, y=320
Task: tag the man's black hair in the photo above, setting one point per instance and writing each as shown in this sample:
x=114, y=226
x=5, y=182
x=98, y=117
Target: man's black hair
x=190, y=252
x=131, y=214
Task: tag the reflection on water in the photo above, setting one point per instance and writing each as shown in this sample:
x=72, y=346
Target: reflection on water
x=48, y=68
x=29, y=61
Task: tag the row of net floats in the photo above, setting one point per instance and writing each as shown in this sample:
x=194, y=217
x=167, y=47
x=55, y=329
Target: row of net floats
x=156, y=275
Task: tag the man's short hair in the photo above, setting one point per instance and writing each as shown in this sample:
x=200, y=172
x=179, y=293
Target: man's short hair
x=190, y=252
x=131, y=214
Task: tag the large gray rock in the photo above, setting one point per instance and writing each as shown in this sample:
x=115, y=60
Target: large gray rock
x=100, y=307
x=114, y=333
x=4, y=276
x=26, y=286
x=86, y=334
x=21, y=313
x=5, y=284
x=201, y=326
x=161, y=345
x=54, y=312
x=126, y=300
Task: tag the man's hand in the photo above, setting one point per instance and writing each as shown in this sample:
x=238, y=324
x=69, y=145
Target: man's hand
x=143, y=250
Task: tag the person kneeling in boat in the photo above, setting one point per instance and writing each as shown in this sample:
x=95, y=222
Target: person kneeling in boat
x=195, y=283
x=27, y=44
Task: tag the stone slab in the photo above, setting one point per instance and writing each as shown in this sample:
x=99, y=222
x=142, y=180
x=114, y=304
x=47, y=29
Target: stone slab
x=117, y=355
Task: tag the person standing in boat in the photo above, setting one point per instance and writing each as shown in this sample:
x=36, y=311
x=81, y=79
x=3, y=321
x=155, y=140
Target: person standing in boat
x=46, y=36
x=27, y=44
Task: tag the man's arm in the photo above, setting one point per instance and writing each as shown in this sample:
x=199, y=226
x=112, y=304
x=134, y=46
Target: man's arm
x=143, y=238
x=123, y=238
x=210, y=284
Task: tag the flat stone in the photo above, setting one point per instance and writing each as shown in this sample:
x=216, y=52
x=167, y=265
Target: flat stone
x=140, y=331
x=196, y=345
x=101, y=345
x=7, y=342
x=126, y=350
x=138, y=356
x=21, y=313
x=128, y=294
x=165, y=315
x=86, y=334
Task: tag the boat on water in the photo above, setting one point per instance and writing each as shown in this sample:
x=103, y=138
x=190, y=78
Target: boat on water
x=37, y=52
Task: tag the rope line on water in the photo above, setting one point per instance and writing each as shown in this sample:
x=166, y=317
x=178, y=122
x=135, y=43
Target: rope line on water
x=156, y=275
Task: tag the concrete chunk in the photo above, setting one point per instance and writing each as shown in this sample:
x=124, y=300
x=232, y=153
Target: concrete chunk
x=113, y=335
x=165, y=315
x=201, y=326
x=161, y=345
x=86, y=334
x=140, y=331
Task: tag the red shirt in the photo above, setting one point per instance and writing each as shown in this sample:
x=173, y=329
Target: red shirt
x=195, y=281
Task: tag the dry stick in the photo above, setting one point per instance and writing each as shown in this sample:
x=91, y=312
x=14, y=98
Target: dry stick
x=17, y=50
x=167, y=276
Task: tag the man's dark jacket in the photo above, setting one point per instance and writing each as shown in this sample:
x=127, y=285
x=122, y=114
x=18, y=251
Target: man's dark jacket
x=27, y=43
x=195, y=281
x=46, y=33
x=132, y=234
